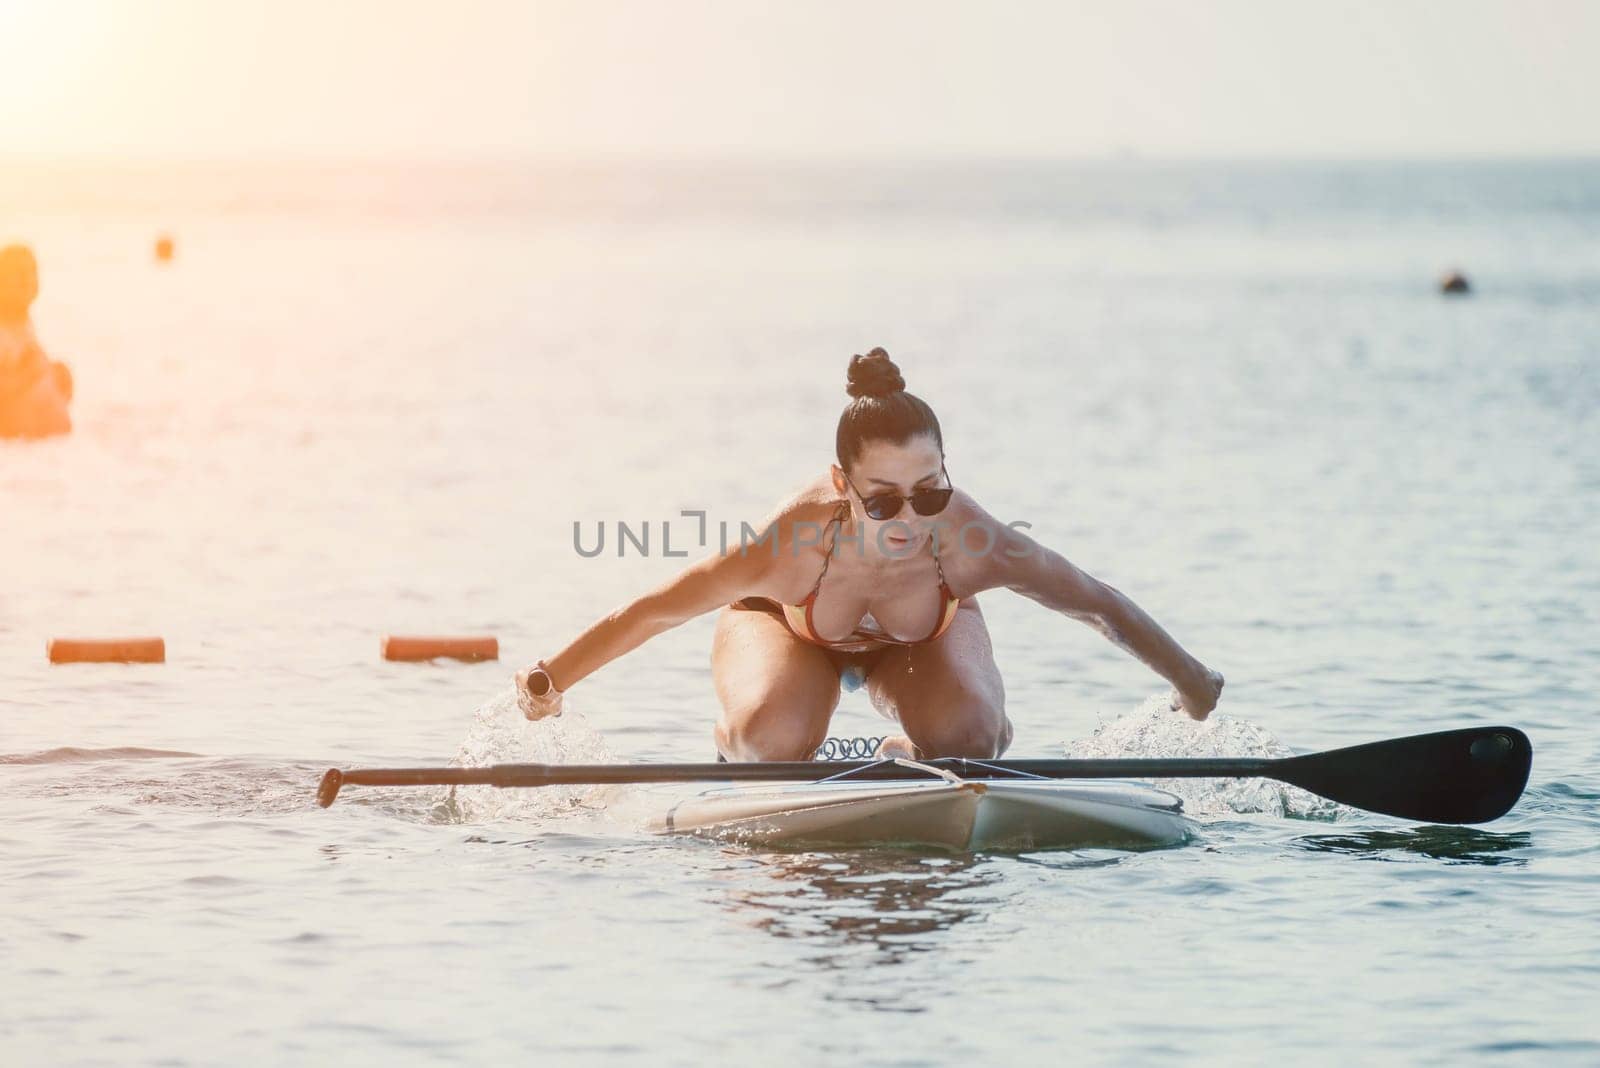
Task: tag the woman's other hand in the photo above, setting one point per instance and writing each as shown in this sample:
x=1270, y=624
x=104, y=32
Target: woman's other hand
x=1199, y=698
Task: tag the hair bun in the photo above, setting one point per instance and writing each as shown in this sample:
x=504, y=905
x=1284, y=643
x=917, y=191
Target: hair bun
x=873, y=375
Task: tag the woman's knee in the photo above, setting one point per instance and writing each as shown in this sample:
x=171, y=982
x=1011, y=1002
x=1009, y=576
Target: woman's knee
x=974, y=727
x=973, y=741
x=772, y=730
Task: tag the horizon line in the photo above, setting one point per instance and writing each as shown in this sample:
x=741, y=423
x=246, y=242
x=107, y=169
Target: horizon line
x=929, y=158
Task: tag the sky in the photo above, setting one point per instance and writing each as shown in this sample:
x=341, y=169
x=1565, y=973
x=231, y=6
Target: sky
x=705, y=78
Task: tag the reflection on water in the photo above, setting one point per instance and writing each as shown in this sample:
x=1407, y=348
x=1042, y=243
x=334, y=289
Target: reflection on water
x=867, y=909
x=884, y=899
x=1083, y=859
x=1457, y=845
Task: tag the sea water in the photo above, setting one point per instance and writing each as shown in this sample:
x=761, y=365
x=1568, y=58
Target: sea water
x=364, y=401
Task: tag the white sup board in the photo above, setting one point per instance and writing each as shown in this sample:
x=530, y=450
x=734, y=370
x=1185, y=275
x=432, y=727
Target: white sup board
x=962, y=816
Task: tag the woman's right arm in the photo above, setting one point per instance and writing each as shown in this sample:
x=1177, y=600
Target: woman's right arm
x=698, y=589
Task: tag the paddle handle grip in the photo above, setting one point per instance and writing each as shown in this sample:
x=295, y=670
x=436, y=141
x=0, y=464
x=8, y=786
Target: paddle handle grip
x=328, y=788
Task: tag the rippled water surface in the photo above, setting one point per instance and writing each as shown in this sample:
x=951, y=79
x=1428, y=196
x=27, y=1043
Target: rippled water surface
x=361, y=403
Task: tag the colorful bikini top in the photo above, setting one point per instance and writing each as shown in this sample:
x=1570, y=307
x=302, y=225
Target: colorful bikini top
x=798, y=616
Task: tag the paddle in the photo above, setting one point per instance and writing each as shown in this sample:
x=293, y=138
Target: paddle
x=1462, y=776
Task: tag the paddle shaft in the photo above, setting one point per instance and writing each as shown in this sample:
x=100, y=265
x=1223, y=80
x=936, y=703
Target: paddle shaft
x=1462, y=776
x=513, y=775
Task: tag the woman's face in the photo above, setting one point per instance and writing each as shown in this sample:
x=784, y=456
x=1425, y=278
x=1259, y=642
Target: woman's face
x=901, y=468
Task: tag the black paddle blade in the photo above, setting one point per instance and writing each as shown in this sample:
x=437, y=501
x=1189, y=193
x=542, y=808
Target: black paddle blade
x=1465, y=776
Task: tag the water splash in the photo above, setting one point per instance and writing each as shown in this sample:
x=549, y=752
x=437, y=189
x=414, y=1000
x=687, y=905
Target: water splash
x=500, y=734
x=1155, y=730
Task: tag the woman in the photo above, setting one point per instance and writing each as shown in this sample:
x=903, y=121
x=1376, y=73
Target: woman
x=870, y=572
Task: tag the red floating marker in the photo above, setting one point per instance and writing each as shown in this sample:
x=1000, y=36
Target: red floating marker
x=107, y=651
x=412, y=647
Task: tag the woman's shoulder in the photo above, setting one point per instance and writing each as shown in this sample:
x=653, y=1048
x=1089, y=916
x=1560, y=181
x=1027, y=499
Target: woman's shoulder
x=974, y=547
x=791, y=538
x=815, y=502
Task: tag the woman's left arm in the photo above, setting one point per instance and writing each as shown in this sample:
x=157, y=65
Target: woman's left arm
x=1018, y=562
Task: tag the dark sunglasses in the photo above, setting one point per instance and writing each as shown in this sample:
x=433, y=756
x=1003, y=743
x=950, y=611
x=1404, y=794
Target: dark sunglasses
x=923, y=502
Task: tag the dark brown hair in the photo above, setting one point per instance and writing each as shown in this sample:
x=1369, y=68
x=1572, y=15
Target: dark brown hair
x=882, y=409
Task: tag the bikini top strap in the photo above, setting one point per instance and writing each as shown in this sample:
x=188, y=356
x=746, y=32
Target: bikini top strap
x=838, y=517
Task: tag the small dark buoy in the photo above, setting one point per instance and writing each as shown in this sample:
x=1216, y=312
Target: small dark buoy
x=164, y=248
x=1454, y=282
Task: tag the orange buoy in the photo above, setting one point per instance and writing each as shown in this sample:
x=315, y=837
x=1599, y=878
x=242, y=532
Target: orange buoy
x=164, y=248
x=412, y=647
x=107, y=651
